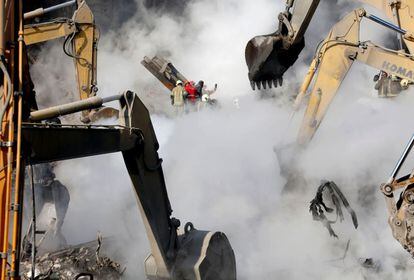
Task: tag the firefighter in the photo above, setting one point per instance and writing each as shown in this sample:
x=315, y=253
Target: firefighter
x=191, y=91
x=192, y=96
x=178, y=95
x=388, y=85
x=204, y=94
x=199, y=87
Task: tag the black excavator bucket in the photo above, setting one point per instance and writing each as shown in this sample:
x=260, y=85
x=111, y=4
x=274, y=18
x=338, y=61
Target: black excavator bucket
x=268, y=57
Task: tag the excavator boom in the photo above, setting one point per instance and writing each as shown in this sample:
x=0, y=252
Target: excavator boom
x=401, y=211
x=81, y=44
x=81, y=33
x=333, y=61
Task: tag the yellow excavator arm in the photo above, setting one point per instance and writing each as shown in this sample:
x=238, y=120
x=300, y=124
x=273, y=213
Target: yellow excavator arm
x=81, y=41
x=333, y=61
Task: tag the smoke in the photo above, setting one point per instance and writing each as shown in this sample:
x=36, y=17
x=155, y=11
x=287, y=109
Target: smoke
x=220, y=168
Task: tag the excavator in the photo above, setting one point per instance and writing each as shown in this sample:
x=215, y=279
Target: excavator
x=81, y=44
x=401, y=212
x=26, y=139
x=269, y=56
x=335, y=57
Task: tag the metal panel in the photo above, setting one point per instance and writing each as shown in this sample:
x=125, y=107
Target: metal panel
x=53, y=143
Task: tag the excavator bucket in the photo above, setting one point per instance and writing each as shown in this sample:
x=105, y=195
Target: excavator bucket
x=164, y=71
x=268, y=57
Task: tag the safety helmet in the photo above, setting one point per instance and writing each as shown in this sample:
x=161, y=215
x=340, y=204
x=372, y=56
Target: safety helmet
x=179, y=82
x=205, y=97
x=404, y=83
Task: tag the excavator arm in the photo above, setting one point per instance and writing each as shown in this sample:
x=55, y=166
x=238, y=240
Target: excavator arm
x=193, y=255
x=333, y=61
x=401, y=211
x=44, y=32
x=81, y=42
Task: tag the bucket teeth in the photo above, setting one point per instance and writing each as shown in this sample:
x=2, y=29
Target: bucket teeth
x=280, y=81
x=253, y=85
x=266, y=84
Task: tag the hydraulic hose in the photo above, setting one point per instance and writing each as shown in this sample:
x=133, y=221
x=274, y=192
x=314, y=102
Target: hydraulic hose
x=9, y=93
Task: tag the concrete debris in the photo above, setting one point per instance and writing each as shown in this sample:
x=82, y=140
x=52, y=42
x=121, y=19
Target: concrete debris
x=75, y=262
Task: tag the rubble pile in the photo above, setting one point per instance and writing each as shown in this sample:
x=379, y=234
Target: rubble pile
x=75, y=262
